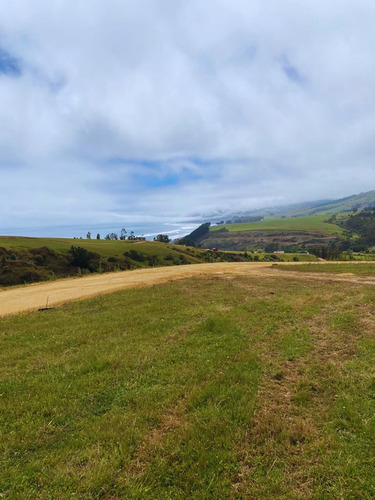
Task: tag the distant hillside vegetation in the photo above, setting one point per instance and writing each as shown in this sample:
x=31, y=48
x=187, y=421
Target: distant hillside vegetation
x=195, y=236
x=25, y=260
x=318, y=207
x=362, y=224
x=290, y=234
x=343, y=205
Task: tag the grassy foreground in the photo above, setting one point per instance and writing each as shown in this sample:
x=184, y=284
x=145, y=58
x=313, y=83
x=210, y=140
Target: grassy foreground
x=313, y=223
x=205, y=388
x=357, y=268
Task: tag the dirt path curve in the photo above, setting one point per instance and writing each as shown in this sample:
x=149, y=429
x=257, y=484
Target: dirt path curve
x=31, y=297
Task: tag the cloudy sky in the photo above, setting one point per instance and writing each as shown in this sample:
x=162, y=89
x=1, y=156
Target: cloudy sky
x=167, y=110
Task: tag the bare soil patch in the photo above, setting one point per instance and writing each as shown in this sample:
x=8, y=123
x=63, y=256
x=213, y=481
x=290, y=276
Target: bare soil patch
x=36, y=296
x=31, y=297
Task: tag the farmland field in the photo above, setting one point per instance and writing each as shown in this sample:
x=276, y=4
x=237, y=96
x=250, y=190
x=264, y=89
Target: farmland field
x=305, y=224
x=210, y=387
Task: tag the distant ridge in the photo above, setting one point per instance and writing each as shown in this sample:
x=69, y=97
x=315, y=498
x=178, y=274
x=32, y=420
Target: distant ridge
x=347, y=204
x=319, y=207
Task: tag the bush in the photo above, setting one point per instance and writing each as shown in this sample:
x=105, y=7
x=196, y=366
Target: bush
x=134, y=255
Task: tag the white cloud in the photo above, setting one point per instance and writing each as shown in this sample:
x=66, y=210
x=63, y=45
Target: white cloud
x=242, y=102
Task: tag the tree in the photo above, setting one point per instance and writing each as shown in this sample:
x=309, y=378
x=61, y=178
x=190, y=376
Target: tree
x=111, y=236
x=80, y=257
x=123, y=234
x=88, y=235
x=98, y=236
x=163, y=238
x=131, y=236
x=271, y=247
x=152, y=260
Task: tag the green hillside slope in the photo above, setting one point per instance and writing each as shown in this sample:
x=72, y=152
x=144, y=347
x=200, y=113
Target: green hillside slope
x=348, y=204
x=305, y=224
x=105, y=248
x=27, y=260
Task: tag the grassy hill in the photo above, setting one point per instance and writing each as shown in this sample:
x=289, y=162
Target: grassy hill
x=27, y=260
x=105, y=248
x=291, y=234
x=343, y=205
x=253, y=387
x=319, y=207
x=300, y=224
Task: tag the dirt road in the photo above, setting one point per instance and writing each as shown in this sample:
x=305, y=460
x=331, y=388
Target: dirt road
x=34, y=296
x=31, y=297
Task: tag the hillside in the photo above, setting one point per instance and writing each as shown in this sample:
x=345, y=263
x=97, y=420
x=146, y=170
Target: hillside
x=343, y=205
x=28, y=260
x=310, y=224
x=318, y=207
x=105, y=248
x=292, y=234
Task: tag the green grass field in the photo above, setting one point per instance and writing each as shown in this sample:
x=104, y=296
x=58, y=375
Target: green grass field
x=207, y=388
x=363, y=256
x=313, y=223
x=105, y=248
x=361, y=269
x=288, y=257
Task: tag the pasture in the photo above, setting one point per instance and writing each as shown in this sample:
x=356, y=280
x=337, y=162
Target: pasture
x=105, y=248
x=314, y=223
x=359, y=268
x=212, y=387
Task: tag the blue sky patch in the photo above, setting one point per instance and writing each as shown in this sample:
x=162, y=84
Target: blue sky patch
x=9, y=65
x=291, y=72
x=156, y=181
x=164, y=173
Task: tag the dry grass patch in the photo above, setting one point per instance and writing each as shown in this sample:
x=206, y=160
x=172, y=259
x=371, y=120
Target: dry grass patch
x=287, y=440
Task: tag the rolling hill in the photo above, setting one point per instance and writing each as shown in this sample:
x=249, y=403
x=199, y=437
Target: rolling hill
x=292, y=234
x=318, y=207
x=291, y=227
x=343, y=205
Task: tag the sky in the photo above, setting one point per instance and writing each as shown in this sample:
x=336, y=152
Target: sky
x=161, y=111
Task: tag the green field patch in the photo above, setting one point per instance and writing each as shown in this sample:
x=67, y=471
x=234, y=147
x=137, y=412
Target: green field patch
x=315, y=223
x=201, y=388
x=105, y=248
x=295, y=343
x=358, y=268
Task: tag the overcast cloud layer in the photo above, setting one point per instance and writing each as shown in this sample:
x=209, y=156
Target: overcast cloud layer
x=166, y=109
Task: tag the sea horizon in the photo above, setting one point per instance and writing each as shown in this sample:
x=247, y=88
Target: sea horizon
x=147, y=230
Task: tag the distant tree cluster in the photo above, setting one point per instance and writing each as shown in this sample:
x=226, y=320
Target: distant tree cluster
x=123, y=233
x=163, y=238
x=326, y=252
x=111, y=236
x=362, y=223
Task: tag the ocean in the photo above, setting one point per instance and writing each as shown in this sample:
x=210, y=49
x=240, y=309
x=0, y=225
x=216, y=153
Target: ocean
x=148, y=230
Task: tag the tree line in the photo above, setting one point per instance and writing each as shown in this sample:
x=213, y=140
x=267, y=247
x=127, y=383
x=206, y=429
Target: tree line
x=163, y=238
